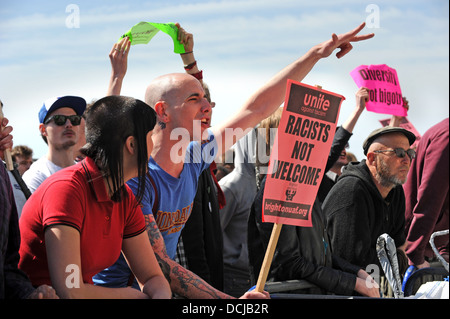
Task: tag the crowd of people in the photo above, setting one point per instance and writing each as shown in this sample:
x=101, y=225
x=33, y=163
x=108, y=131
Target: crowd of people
x=119, y=208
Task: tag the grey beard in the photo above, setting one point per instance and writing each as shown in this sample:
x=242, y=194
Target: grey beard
x=389, y=181
x=385, y=179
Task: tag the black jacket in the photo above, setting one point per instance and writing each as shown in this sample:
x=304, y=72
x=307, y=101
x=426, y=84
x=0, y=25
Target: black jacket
x=301, y=253
x=357, y=215
x=14, y=283
x=340, y=140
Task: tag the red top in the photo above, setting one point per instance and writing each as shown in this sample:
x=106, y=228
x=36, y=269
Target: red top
x=76, y=196
x=426, y=193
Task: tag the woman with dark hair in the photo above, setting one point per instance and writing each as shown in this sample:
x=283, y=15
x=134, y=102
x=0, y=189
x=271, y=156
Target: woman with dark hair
x=81, y=218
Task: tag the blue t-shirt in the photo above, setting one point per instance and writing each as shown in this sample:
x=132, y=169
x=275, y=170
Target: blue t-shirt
x=175, y=201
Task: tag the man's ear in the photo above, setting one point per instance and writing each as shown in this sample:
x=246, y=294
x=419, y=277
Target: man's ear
x=370, y=159
x=42, y=129
x=161, y=111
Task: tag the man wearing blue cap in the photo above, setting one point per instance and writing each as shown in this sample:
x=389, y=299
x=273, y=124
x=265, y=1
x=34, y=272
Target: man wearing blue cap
x=59, y=120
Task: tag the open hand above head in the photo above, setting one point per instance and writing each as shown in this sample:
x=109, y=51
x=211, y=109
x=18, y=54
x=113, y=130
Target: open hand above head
x=119, y=56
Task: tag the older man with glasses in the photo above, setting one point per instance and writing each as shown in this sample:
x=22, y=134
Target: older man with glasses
x=368, y=199
x=59, y=120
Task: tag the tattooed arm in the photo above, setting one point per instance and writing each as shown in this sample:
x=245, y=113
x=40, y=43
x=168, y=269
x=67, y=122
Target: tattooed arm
x=182, y=281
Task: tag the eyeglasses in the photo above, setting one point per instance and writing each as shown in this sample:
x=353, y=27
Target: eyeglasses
x=400, y=152
x=60, y=120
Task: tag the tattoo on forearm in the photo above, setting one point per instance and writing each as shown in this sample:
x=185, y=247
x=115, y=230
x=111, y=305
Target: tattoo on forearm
x=165, y=268
x=152, y=230
x=182, y=281
x=190, y=284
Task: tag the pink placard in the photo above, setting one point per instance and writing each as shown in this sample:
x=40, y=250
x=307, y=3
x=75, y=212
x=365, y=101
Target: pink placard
x=300, y=154
x=385, y=93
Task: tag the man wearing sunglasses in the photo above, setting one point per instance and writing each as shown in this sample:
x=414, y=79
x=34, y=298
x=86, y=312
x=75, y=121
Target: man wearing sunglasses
x=368, y=199
x=59, y=126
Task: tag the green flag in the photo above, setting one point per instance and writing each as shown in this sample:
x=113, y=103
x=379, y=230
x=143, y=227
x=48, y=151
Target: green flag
x=143, y=32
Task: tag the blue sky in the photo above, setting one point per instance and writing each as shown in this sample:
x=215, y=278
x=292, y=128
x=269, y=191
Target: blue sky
x=238, y=44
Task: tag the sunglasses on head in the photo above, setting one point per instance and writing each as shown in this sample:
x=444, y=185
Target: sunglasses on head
x=400, y=152
x=60, y=120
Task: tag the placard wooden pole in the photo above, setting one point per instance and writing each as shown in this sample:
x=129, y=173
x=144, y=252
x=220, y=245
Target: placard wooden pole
x=262, y=278
x=7, y=152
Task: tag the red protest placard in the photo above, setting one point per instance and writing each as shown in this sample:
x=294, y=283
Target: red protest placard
x=385, y=94
x=300, y=153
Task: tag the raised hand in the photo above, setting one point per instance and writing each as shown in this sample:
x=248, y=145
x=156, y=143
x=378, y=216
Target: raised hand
x=6, y=139
x=343, y=42
x=185, y=38
x=119, y=56
x=119, y=62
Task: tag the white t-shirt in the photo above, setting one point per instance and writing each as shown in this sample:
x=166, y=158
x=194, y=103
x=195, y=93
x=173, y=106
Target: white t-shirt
x=19, y=196
x=38, y=172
